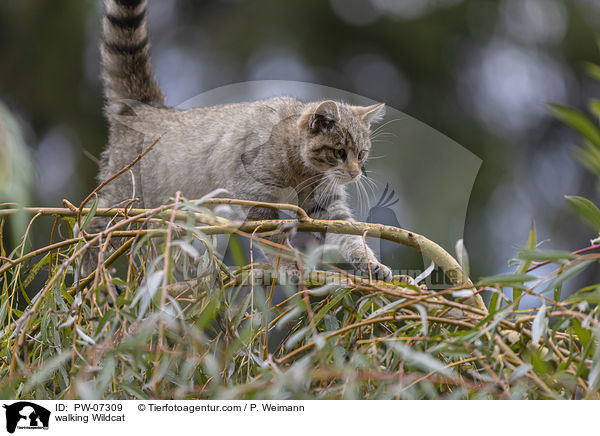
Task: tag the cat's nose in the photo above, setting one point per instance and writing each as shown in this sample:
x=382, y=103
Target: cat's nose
x=354, y=173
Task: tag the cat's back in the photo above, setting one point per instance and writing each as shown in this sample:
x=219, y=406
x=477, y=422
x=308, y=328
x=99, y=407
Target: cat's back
x=205, y=148
x=250, y=115
x=221, y=131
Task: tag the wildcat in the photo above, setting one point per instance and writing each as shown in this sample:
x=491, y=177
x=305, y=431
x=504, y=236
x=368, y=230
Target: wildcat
x=260, y=150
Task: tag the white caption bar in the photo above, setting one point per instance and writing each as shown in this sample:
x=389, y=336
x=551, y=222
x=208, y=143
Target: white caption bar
x=304, y=418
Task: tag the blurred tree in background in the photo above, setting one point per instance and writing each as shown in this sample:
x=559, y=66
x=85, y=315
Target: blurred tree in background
x=479, y=71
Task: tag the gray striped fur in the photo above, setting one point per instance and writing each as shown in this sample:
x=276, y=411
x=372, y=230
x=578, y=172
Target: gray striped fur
x=127, y=72
x=280, y=149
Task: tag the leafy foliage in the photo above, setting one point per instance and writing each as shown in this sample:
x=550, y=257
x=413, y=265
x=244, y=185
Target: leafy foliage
x=139, y=327
x=589, y=153
x=15, y=167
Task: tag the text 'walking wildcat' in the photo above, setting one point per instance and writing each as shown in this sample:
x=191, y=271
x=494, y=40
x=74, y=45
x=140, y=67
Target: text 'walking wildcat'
x=260, y=150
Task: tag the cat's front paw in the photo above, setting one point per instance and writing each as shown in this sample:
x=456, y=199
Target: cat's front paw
x=289, y=273
x=381, y=272
x=378, y=270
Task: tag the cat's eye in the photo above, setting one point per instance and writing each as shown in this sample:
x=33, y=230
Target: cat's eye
x=361, y=154
x=340, y=153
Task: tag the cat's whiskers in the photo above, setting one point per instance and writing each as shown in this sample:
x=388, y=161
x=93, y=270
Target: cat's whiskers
x=362, y=188
x=329, y=189
x=315, y=176
x=382, y=141
x=376, y=157
x=325, y=179
x=326, y=192
x=364, y=184
x=382, y=133
x=360, y=201
x=308, y=182
x=370, y=183
x=373, y=138
x=321, y=181
x=322, y=191
x=379, y=128
x=332, y=189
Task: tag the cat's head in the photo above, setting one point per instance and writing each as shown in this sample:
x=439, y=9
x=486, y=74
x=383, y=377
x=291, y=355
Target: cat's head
x=335, y=137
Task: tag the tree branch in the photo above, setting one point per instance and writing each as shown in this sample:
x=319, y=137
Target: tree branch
x=218, y=225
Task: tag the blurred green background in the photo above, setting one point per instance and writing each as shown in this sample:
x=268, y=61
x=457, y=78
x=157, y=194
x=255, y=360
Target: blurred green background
x=477, y=71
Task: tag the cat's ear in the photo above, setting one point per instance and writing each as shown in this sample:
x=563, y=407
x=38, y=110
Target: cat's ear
x=323, y=117
x=370, y=114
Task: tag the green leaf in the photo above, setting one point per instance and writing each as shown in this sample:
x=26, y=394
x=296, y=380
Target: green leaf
x=539, y=325
x=106, y=375
x=506, y=279
x=146, y=292
x=240, y=311
x=577, y=121
x=594, y=374
x=35, y=270
x=325, y=309
x=3, y=311
x=540, y=366
x=329, y=288
x=388, y=307
x=462, y=256
x=557, y=256
x=134, y=391
x=572, y=271
x=526, y=263
x=494, y=302
x=589, y=156
x=84, y=336
x=423, y=361
x=291, y=315
x=586, y=209
x=331, y=323
x=594, y=104
x=591, y=294
x=519, y=372
x=58, y=297
x=90, y=215
x=424, y=320
x=296, y=337
x=46, y=371
x=592, y=70
x=237, y=251
x=108, y=315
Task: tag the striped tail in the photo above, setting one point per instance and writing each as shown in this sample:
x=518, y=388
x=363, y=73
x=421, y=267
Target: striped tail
x=127, y=72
